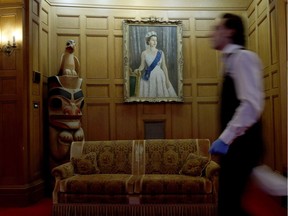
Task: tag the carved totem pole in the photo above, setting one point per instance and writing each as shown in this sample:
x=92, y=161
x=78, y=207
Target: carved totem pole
x=65, y=102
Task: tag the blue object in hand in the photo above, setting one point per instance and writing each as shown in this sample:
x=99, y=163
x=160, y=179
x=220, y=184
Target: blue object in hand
x=219, y=147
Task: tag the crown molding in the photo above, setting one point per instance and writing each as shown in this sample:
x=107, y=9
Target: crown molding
x=154, y=5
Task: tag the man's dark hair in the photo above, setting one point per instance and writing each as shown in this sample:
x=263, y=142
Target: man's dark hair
x=235, y=22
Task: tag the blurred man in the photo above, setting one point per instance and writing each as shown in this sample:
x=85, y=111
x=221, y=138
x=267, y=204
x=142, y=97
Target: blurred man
x=242, y=101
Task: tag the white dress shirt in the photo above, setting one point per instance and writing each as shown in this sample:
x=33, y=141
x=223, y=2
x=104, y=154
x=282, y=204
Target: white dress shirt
x=245, y=68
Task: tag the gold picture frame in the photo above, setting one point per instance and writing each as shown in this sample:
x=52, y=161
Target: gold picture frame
x=156, y=87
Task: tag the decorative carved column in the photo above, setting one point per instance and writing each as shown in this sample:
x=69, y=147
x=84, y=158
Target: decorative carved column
x=65, y=102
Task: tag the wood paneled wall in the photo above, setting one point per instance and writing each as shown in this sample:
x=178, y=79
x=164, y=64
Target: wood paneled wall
x=46, y=25
x=265, y=33
x=21, y=155
x=98, y=33
x=11, y=84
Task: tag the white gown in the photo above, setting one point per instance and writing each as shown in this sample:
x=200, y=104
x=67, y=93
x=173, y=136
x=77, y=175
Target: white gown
x=155, y=86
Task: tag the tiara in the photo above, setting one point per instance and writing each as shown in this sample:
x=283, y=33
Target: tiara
x=70, y=43
x=151, y=33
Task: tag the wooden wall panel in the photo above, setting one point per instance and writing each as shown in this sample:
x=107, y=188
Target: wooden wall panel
x=44, y=40
x=100, y=23
x=187, y=90
x=268, y=133
x=10, y=104
x=100, y=45
x=264, y=33
x=274, y=49
x=35, y=51
x=275, y=82
x=267, y=83
x=119, y=91
x=182, y=119
x=8, y=85
x=154, y=115
x=276, y=115
x=118, y=57
x=261, y=7
x=99, y=35
x=35, y=54
x=98, y=123
x=35, y=153
x=187, y=66
x=8, y=27
x=204, y=55
x=208, y=121
x=282, y=41
x=251, y=13
x=97, y=91
x=97, y=57
x=68, y=22
x=264, y=43
x=9, y=166
x=204, y=24
x=45, y=68
x=126, y=121
x=208, y=90
x=155, y=109
x=252, y=43
x=8, y=62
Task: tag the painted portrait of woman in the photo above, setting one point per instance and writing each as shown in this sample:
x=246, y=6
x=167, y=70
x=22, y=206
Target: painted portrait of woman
x=153, y=71
x=153, y=63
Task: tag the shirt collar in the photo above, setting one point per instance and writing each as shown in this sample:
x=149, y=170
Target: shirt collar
x=230, y=48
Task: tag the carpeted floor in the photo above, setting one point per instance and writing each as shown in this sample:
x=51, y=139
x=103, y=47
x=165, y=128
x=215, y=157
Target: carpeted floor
x=41, y=208
x=257, y=202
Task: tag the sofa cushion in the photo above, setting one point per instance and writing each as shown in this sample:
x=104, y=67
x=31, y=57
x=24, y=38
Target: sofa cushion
x=166, y=156
x=86, y=164
x=156, y=184
x=98, y=184
x=113, y=157
x=194, y=165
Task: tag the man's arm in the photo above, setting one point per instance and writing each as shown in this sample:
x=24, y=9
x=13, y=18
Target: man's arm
x=247, y=76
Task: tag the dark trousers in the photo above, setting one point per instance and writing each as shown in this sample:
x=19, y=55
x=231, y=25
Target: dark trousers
x=236, y=166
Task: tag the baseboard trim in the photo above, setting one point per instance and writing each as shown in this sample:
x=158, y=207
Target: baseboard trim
x=22, y=195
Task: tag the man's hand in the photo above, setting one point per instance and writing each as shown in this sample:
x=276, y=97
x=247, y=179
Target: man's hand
x=218, y=147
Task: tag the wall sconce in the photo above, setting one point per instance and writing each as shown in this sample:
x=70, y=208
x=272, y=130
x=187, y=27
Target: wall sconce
x=8, y=49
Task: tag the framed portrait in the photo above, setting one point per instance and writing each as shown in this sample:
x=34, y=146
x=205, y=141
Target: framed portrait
x=152, y=60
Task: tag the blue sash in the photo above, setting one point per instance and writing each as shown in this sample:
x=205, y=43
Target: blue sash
x=148, y=70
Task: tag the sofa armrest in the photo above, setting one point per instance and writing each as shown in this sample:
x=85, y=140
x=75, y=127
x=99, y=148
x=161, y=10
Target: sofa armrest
x=63, y=171
x=212, y=170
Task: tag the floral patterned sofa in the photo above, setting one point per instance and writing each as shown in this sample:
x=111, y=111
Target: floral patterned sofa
x=157, y=171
